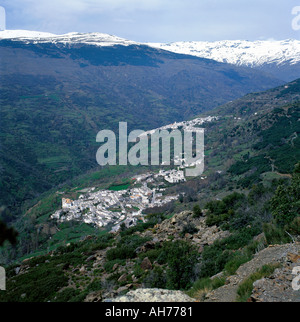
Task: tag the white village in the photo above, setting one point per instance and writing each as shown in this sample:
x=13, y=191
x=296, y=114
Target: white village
x=105, y=207
x=109, y=207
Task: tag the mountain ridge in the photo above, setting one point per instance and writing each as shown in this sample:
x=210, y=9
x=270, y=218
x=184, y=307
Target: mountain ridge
x=278, y=57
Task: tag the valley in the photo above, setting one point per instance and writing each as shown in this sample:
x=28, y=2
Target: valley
x=91, y=233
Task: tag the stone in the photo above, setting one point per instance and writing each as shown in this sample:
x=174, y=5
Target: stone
x=122, y=289
x=146, y=264
x=134, y=278
x=94, y=297
x=294, y=258
x=122, y=278
x=153, y=295
x=91, y=258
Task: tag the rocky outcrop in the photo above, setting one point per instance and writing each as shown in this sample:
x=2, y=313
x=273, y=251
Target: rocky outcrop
x=94, y=297
x=278, y=254
x=153, y=295
x=185, y=226
x=278, y=287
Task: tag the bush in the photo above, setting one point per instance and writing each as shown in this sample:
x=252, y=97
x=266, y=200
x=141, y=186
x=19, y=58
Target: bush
x=197, y=211
x=181, y=258
x=232, y=266
x=189, y=229
x=275, y=235
x=286, y=202
x=108, y=266
x=123, y=252
x=204, y=285
x=66, y=295
x=156, y=278
x=126, y=248
x=222, y=211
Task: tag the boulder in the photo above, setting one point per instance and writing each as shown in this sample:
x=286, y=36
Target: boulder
x=94, y=297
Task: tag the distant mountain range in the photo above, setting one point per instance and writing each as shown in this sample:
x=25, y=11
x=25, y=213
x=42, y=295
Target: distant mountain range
x=280, y=58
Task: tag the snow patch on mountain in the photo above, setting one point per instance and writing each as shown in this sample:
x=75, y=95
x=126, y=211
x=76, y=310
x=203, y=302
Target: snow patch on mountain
x=96, y=38
x=24, y=34
x=239, y=52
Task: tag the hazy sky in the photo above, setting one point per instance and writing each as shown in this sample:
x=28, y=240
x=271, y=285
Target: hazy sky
x=158, y=20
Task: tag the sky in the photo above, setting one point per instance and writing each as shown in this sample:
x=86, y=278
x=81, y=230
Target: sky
x=160, y=20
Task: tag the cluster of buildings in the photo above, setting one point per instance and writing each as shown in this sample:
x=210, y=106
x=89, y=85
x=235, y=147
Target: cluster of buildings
x=107, y=207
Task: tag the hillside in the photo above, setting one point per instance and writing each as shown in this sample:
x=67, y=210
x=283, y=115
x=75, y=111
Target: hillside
x=57, y=93
x=221, y=224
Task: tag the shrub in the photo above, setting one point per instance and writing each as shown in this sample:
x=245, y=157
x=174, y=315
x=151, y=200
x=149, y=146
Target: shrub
x=126, y=248
x=205, y=285
x=275, y=235
x=197, y=211
x=156, y=278
x=239, y=259
x=181, y=258
x=189, y=229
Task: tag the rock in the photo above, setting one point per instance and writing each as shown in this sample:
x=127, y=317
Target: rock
x=94, y=297
x=275, y=288
x=134, y=278
x=122, y=289
x=260, y=238
x=200, y=249
x=122, y=278
x=278, y=286
x=91, y=258
x=147, y=246
x=146, y=264
x=294, y=258
x=174, y=220
x=153, y=295
x=82, y=269
x=115, y=266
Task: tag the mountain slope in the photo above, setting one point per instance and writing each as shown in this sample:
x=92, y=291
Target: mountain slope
x=280, y=58
x=58, y=92
x=248, y=179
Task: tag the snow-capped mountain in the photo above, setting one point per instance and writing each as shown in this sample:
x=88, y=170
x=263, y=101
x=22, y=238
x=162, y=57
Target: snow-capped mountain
x=242, y=53
x=279, y=58
x=267, y=55
x=96, y=38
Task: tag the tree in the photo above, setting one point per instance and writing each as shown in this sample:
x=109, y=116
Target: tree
x=197, y=211
x=285, y=204
x=182, y=259
x=7, y=234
